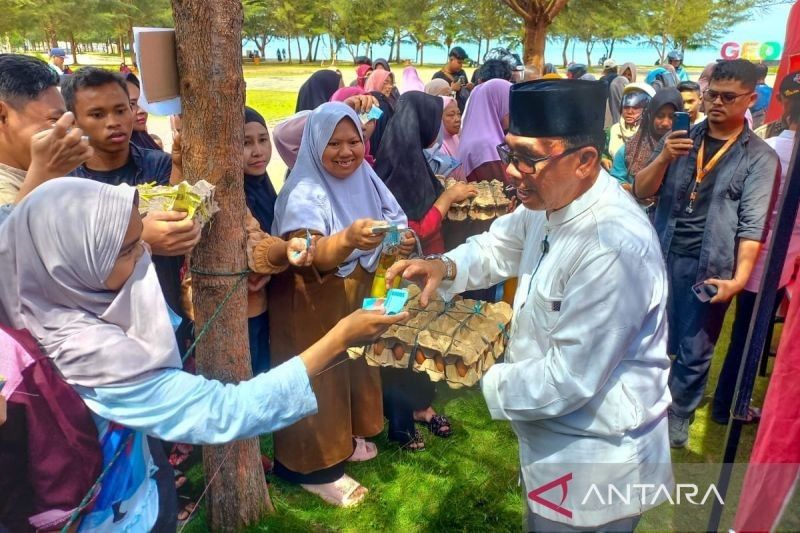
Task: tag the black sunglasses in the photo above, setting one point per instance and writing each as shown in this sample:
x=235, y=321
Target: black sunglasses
x=727, y=98
x=526, y=164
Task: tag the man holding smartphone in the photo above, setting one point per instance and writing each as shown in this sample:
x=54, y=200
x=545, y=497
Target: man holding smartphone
x=454, y=74
x=713, y=186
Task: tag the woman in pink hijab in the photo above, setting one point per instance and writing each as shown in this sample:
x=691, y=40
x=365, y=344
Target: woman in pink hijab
x=381, y=81
x=482, y=129
x=451, y=127
x=286, y=137
x=411, y=81
x=362, y=74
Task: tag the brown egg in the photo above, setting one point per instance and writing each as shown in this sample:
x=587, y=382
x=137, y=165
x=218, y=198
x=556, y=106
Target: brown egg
x=420, y=358
x=398, y=351
x=461, y=368
x=439, y=363
x=378, y=347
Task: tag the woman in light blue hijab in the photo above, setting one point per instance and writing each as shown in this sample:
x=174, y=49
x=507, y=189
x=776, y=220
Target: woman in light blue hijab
x=333, y=194
x=77, y=276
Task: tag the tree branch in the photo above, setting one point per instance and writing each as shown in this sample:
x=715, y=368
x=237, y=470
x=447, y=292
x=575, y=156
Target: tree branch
x=519, y=9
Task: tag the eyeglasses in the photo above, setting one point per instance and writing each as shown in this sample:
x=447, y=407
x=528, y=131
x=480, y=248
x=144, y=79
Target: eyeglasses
x=727, y=98
x=525, y=164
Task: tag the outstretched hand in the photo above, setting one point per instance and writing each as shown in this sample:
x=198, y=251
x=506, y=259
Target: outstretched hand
x=363, y=327
x=426, y=274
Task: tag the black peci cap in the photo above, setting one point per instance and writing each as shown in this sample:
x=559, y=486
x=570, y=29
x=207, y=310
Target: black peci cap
x=557, y=108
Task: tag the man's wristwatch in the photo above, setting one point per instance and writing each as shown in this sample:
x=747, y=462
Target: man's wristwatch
x=449, y=265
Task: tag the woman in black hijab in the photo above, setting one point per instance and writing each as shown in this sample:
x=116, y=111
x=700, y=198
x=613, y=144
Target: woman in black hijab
x=318, y=89
x=260, y=196
x=382, y=123
x=401, y=164
x=381, y=63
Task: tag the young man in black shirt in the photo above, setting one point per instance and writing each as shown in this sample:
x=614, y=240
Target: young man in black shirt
x=714, y=187
x=99, y=99
x=454, y=74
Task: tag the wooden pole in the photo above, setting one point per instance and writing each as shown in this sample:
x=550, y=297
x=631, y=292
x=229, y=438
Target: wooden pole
x=209, y=50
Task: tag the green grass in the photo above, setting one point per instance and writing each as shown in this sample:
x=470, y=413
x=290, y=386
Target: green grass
x=469, y=482
x=273, y=105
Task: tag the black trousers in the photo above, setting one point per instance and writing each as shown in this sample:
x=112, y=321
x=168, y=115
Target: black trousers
x=404, y=391
x=726, y=386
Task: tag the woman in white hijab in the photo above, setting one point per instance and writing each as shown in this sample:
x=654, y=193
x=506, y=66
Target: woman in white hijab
x=334, y=194
x=78, y=277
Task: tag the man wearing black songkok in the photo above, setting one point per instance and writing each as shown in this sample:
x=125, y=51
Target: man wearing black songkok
x=584, y=382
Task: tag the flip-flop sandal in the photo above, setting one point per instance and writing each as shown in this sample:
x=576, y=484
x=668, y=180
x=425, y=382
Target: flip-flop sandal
x=416, y=444
x=344, y=492
x=180, y=479
x=266, y=464
x=364, y=451
x=186, y=510
x=436, y=425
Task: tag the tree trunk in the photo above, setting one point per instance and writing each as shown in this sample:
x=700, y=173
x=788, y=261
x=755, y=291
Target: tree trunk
x=589, y=48
x=391, y=47
x=564, y=52
x=310, y=41
x=399, y=42
x=289, y=42
x=316, y=48
x=209, y=53
x=74, y=46
x=421, y=54
x=262, y=46
x=611, y=52
x=535, y=42
x=299, y=50
x=121, y=47
x=130, y=41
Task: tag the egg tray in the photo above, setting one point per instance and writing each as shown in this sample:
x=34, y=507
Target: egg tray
x=491, y=202
x=455, y=342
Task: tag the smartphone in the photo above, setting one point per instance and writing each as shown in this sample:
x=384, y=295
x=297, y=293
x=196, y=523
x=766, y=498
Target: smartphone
x=704, y=292
x=2, y=382
x=680, y=121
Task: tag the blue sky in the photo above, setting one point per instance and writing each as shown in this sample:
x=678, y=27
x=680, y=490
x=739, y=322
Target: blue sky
x=770, y=26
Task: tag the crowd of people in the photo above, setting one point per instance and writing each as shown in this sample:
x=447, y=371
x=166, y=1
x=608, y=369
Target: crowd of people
x=619, y=221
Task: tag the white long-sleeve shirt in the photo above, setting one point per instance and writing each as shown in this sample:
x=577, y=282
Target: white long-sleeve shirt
x=584, y=381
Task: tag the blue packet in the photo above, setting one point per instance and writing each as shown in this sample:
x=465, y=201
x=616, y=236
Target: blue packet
x=374, y=114
x=393, y=304
x=372, y=304
x=395, y=301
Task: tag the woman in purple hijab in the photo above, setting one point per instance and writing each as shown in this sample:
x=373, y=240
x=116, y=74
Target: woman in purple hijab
x=483, y=128
x=411, y=81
